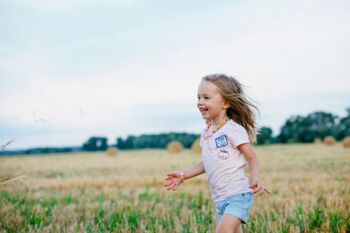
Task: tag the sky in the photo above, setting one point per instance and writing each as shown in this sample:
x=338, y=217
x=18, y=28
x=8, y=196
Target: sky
x=74, y=69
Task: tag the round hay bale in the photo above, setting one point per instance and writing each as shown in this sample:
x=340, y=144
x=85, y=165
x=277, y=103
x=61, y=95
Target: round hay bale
x=318, y=141
x=112, y=151
x=175, y=147
x=346, y=142
x=196, y=148
x=329, y=140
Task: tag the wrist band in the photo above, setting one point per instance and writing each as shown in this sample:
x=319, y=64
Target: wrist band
x=182, y=174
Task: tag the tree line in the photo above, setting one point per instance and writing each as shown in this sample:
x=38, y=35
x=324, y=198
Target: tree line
x=306, y=129
x=296, y=129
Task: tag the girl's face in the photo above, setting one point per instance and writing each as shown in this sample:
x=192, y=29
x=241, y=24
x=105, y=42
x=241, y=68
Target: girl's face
x=211, y=104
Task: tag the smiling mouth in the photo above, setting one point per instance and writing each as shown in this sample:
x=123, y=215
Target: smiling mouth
x=203, y=110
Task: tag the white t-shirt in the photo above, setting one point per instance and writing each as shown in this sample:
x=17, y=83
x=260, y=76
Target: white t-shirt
x=223, y=162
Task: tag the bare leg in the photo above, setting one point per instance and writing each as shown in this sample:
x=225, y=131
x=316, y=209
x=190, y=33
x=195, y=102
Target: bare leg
x=239, y=229
x=229, y=224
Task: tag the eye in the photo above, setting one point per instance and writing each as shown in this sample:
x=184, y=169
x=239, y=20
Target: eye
x=206, y=97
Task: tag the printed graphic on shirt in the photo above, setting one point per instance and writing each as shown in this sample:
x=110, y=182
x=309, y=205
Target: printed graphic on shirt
x=221, y=141
x=223, y=154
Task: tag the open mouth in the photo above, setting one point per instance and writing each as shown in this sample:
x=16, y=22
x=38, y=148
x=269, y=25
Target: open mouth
x=203, y=110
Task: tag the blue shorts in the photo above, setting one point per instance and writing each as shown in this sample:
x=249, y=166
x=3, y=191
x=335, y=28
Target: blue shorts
x=238, y=205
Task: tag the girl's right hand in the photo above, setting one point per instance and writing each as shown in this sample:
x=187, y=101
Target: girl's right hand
x=175, y=179
x=257, y=186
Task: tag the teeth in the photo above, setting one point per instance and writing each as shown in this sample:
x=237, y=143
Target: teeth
x=203, y=110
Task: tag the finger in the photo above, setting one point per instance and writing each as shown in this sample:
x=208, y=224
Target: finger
x=172, y=177
x=258, y=185
x=256, y=190
x=172, y=174
x=170, y=187
x=175, y=187
x=167, y=184
x=266, y=190
x=261, y=191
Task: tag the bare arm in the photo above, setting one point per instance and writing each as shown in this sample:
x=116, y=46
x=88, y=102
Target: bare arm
x=254, y=168
x=198, y=169
x=176, y=178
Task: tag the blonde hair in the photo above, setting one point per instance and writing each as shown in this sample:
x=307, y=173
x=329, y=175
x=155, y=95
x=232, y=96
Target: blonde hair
x=241, y=110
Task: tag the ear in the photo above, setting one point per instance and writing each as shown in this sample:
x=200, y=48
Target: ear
x=226, y=105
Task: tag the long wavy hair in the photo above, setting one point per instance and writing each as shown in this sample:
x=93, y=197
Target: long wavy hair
x=241, y=109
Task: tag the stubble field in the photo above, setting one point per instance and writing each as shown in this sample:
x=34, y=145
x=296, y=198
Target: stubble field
x=94, y=192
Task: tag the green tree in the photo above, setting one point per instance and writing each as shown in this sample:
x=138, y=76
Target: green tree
x=120, y=143
x=95, y=144
x=343, y=127
x=156, y=140
x=306, y=129
x=264, y=136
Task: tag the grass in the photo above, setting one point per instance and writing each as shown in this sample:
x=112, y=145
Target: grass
x=94, y=192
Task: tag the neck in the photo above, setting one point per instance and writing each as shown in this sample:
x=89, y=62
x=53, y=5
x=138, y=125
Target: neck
x=219, y=121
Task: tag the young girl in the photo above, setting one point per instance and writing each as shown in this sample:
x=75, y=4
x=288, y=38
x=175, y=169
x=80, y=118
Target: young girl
x=226, y=150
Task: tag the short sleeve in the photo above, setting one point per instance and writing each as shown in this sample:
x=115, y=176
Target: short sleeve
x=238, y=135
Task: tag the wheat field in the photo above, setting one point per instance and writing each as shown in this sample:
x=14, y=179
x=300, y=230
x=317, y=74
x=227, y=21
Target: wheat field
x=94, y=192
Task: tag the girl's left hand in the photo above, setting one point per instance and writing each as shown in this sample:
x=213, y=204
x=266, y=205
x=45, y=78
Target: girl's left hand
x=256, y=185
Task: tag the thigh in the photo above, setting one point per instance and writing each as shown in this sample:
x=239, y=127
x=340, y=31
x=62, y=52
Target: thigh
x=229, y=224
x=239, y=206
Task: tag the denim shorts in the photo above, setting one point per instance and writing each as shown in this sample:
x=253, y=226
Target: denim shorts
x=238, y=205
